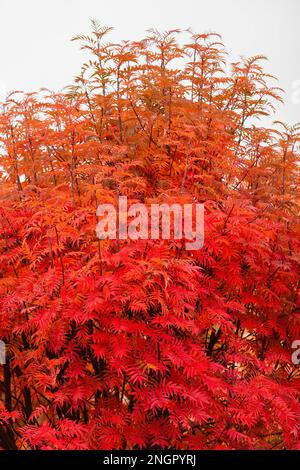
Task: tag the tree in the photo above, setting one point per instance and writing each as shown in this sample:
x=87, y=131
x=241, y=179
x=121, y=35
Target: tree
x=144, y=344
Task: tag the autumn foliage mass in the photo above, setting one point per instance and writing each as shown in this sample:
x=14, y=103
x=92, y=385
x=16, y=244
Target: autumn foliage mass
x=123, y=344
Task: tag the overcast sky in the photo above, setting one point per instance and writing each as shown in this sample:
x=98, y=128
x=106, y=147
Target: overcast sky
x=35, y=47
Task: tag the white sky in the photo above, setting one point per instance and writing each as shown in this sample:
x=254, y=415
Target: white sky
x=35, y=47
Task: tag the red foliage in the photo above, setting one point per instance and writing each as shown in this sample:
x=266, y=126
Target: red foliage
x=143, y=344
